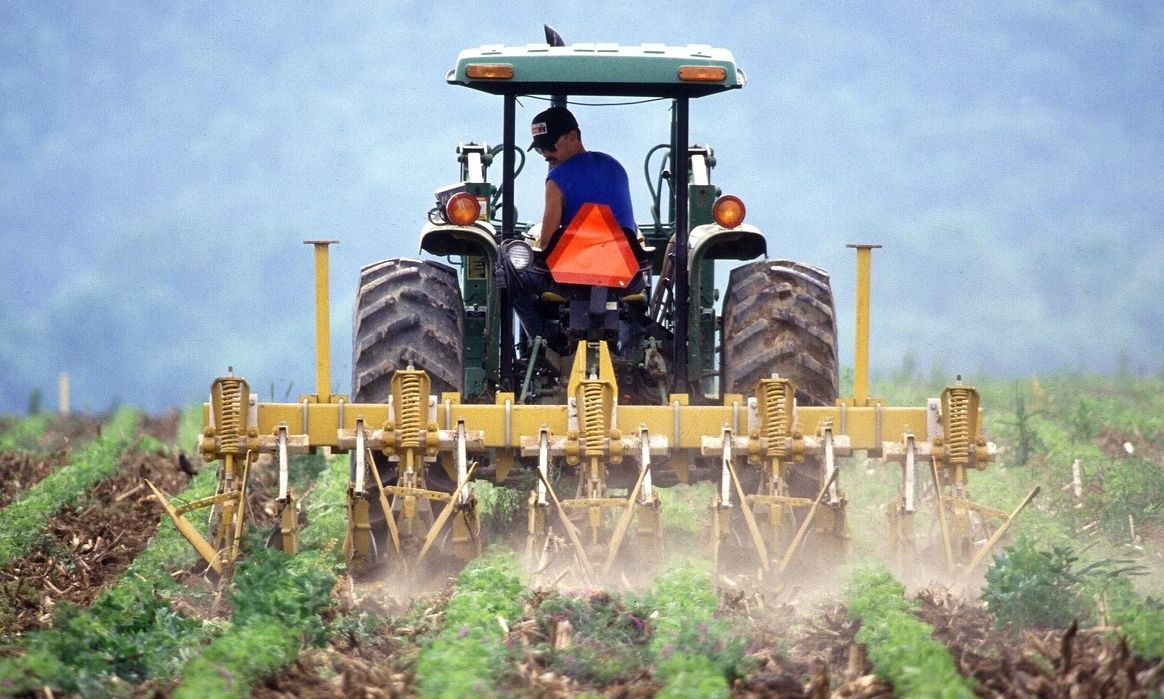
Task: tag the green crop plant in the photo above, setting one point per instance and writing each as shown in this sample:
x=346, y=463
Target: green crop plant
x=1029, y=587
x=278, y=600
x=1139, y=620
x=499, y=505
x=692, y=648
x=464, y=657
x=22, y=523
x=684, y=510
x=24, y=434
x=130, y=633
x=899, y=645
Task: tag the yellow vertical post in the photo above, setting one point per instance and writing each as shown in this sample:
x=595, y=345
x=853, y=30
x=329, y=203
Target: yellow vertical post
x=322, y=321
x=861, y=358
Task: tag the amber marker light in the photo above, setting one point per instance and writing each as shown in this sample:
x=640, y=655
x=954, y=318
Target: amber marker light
x=489, y=71
x=702, y=74
x=462, y=209
x=728, y=211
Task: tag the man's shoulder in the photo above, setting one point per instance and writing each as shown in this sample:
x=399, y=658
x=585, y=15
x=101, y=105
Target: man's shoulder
x=605, y=158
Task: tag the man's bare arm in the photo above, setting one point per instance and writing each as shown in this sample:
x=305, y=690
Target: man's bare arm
x=552, y=216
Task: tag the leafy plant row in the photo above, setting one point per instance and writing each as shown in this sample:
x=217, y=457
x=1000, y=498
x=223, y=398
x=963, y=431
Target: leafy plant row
x=23, y=521
x=130, y=632
x=133, y=633
x=23, y=434
x=464, y=657
x=899, y=645
x=277, y=601
x=694, y=653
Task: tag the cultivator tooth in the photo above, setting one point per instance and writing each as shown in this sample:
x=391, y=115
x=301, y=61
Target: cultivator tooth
x=955, y=446
x=461, y=506
x=774, y=443
x=642, y=503
x=722, y=506
x=288, y=506
x=902, y=509
x=538, y=504
x=592, y=443
x=231, y=436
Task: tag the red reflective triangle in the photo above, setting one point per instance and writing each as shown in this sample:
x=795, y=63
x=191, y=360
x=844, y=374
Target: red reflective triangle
x=593, y=250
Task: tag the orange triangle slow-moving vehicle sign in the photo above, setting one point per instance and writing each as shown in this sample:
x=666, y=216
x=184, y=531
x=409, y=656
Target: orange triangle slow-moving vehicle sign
x=593, y=250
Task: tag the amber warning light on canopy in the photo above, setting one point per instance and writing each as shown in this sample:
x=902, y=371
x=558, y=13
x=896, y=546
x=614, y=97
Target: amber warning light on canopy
x=489, y=71
x=702, y=74
x=593, y=250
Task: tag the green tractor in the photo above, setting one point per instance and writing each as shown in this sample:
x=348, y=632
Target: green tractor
x=455, y=322
x=743, y=393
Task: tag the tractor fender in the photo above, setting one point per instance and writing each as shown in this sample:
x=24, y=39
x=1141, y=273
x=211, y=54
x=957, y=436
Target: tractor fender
x=445, y=240
x=714, y=242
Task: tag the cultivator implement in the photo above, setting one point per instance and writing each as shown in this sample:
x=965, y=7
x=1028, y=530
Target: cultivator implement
x=759, y=442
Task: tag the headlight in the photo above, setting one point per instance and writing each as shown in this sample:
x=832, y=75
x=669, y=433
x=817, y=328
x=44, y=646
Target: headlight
x=520, y=254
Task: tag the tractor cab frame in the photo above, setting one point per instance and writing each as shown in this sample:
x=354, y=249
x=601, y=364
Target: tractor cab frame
x=683, y=231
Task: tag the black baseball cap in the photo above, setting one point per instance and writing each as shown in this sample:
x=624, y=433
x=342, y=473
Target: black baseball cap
x=550, y=125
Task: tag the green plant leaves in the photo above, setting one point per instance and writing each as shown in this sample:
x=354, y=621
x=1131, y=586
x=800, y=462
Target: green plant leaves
x=899, y=645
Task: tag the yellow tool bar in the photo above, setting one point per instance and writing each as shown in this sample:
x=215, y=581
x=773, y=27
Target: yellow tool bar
x=503, y=423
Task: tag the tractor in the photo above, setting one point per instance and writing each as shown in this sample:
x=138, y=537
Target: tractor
x=447, y=389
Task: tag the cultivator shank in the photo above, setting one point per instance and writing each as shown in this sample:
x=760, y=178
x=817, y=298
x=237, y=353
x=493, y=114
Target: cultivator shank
x=954, y=446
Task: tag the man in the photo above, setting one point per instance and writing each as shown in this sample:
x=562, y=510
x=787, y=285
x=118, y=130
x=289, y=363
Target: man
x=576, y=177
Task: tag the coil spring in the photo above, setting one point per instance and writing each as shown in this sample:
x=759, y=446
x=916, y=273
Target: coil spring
x=958, y=425
x=594, y=422
x=230, y=421
x=776, y=418
x=411, y=416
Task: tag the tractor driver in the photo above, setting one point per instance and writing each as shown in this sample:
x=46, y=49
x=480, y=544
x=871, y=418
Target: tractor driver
x=576, y=177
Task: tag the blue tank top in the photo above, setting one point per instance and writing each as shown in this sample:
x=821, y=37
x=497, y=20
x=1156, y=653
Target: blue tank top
x=596, y=178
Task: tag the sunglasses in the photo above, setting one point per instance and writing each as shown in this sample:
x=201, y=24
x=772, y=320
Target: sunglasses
x=550, y=149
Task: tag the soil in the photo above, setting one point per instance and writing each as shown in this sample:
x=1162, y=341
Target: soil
x=88, y=545
x=93, y=540
x=20, y=470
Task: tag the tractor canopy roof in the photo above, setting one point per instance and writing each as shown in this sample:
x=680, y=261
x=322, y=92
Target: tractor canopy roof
x=648, y=70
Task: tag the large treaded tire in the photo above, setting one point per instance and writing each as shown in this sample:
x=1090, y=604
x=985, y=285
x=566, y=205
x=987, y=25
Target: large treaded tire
x=407, y=312
x=778, y=317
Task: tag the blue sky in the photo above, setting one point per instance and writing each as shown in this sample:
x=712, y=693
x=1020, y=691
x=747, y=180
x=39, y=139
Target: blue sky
x=160, y=165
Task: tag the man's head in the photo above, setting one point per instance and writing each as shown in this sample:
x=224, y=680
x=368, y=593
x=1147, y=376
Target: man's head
x=556, y=136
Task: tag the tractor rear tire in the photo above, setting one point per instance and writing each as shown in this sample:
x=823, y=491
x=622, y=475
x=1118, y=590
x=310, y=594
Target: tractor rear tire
x=778, y=317
x=408, y=312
